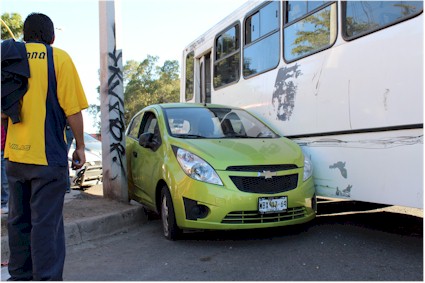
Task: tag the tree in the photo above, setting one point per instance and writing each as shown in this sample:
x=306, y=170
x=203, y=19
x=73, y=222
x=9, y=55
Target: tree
x=145, y=83
x=94, y=111
x=15, y=24
x=316, y=38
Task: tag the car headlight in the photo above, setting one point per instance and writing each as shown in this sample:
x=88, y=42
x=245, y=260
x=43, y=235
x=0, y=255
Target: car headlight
x=308, y=168
x=197, y=168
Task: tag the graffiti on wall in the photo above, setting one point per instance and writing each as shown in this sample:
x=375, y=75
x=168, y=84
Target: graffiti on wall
x=116, y=111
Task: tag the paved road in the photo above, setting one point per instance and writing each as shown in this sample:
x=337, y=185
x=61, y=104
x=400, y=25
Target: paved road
x=362, y=245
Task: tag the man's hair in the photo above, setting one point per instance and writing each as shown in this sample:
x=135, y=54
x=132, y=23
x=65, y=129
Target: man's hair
x=39, y=27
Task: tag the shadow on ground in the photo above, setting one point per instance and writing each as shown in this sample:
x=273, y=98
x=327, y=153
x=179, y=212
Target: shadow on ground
x=352, y=213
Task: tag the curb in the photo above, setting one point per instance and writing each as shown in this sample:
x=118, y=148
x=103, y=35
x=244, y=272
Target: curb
x=93, y=228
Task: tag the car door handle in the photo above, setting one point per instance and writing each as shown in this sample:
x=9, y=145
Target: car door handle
x=134, y=154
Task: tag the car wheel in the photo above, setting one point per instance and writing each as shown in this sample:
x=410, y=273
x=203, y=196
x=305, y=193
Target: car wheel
x=169, y=224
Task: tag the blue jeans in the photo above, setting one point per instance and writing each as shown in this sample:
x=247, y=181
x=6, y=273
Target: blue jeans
x=4, y=183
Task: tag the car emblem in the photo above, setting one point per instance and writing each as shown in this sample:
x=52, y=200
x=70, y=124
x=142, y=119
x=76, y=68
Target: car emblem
x=267, y=174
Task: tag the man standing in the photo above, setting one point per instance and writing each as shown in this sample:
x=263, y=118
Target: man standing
x=37, y=166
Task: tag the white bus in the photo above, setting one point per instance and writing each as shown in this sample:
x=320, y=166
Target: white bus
x=344, y=79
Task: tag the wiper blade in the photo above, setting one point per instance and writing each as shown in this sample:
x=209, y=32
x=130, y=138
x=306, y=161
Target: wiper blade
x=236, y=136
x=188, y=136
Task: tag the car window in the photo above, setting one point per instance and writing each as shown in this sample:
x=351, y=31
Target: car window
x=135, y=126
x=232, y=124
x=150, y=125
x=202, y=122
x=239, y=123
x=179, y=126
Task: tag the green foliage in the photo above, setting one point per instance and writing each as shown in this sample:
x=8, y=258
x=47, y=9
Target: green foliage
x=308, y=41
x=94, y=111
x=145, y=83
x=15, y=24
x=189, y=75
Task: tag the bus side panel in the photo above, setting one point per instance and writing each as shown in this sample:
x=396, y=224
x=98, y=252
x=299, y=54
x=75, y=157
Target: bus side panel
x=384, y=167
x=383, y=76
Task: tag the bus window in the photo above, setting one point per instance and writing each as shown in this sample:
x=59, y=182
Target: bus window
x=310, y=33
x=261, y=48
x=189, y=75
x=297, y=9
x=363, y=17
x=227, y=57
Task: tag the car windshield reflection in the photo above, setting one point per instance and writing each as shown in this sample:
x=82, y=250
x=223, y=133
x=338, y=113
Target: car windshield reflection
x=194, y=123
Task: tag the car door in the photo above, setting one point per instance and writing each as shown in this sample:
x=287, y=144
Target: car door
x=132, y=140
x=147, y=161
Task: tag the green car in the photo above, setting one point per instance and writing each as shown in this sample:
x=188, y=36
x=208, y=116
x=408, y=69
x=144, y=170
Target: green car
x=216, y=167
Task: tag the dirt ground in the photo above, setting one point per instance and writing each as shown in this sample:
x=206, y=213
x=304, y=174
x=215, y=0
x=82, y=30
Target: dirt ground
x=89, y=203
x=80, y=204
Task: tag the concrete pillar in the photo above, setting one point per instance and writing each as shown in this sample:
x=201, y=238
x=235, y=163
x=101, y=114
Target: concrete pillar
x=112, y=106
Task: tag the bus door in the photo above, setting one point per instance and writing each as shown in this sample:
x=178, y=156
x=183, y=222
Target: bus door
x=205, y=78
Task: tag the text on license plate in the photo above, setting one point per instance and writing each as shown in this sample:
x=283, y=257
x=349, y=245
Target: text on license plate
x=272, y=204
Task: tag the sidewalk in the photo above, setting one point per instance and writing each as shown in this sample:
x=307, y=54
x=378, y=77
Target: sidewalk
x=88, y=216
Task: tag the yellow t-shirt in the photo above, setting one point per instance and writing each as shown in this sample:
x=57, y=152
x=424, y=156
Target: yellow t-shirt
x=39, y=137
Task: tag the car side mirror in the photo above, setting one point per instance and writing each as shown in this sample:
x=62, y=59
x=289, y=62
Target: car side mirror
x=145, y=140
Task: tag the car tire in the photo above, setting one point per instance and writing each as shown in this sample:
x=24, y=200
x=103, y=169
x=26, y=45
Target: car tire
x=169, y=224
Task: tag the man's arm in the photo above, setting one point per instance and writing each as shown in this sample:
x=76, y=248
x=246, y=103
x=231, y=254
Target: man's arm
x=4, y=119
x=77, y=126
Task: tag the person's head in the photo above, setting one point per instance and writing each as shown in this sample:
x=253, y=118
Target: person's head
x=39, y=27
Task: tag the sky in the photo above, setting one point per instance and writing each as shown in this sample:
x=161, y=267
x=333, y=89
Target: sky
x=160, y=28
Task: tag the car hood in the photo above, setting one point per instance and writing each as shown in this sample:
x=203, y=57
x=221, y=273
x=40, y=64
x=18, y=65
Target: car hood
x=221, y=153
x=92, y=156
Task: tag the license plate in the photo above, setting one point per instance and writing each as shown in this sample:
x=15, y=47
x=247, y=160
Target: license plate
x=272, y=204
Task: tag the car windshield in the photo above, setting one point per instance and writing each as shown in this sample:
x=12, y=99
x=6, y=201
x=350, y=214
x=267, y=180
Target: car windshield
x=205, y=122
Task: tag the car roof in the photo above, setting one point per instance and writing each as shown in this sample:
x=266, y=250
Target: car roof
x=193, y=105
x=162, y=106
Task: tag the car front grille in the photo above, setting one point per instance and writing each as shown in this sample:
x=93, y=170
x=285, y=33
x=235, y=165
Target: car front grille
x=261, y=185
x=252, y=217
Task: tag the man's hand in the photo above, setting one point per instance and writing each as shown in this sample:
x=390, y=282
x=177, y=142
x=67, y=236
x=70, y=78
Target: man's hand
x=78, y=156
x=78, y=159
